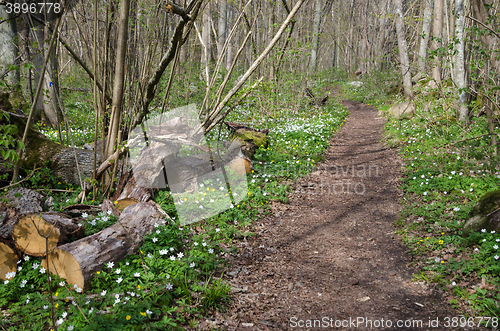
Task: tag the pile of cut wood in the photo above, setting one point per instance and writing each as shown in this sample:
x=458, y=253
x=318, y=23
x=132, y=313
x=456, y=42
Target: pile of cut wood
x=59, y=237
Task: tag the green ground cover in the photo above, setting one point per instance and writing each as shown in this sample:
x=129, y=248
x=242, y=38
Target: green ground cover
x=175, y=278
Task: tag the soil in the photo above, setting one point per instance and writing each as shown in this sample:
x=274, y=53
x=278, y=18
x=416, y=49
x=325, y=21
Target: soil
x=331, y=255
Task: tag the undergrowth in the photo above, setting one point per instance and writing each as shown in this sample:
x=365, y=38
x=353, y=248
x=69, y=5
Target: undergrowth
x=445, y=173
x=175, y=278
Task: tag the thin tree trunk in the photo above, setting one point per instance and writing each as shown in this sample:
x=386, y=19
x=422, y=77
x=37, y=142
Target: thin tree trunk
x=403, y=50
x=460, y=79
x=424, y=40
x=206, y=38
x=315, y=38
x=229, y=53
x=437, y=32
x=222, y=27
x=118, y=87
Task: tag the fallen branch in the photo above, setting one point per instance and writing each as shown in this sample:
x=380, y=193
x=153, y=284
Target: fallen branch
x=483, y=135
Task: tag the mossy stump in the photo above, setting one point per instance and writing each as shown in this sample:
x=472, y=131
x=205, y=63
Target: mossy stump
x=484, y=215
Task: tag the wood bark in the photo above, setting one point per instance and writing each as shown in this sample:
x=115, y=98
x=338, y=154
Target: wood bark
x=460, y=79
x=437, y=33
x=403, y=50
x=8, y=47
x=424, y=40
x=221, y=37
x=315, y=36
x=119, y=82
x=61, y=159
x=78, y=261
x=207, y=43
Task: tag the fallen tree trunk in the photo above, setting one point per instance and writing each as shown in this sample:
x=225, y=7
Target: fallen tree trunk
x=30, y=231
x=8, y=261
x=78, y=261
x=61, y=159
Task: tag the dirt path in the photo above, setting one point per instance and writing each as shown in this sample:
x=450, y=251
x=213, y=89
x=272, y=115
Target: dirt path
x=331, y=253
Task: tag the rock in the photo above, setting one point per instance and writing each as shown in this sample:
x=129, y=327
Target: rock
x=403, y=110
x=484, y=215
x=356, y=83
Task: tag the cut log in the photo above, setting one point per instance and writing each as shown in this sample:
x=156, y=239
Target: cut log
x=30, y=230
x=128, y=188
x=8, y=260
x=124, y=203
x=78, y=261
x=61, y=159
x=19, y=201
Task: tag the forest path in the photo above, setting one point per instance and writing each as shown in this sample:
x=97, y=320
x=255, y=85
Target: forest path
x=331, y=254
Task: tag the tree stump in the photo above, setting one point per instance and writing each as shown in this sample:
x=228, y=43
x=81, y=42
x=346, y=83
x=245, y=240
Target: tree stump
x=30, y=240
x=78, y=261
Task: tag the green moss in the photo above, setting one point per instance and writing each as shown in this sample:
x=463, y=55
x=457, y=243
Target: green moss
x=258, y=138
x=488, y=203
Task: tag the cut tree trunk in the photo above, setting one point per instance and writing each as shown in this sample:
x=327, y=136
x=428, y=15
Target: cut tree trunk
x=19, y=201
x=8, y=260
x=78, y=261
x=30, y=231
x=61, y=159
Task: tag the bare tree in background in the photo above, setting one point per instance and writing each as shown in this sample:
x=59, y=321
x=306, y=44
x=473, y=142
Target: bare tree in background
x=426, y=30
x=460, y=79
x=315, y=38
x=8, y=48
x=437, y=33
x=403, y=49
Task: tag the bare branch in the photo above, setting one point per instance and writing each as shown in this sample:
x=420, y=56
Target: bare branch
x=250, y=71
x=484, y=25
x=173, y=8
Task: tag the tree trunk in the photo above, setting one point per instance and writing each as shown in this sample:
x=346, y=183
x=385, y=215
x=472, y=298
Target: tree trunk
x=437, y=32
x=118, y=87
x=30, y=230
x=403, y=50
x=206, y=38
x=229, y=54
x=460, y=79
x=8, y=47
x=8, y=261
x=315, y=37
x=61, y=159
x=78, y=261
x=489, y=42
x=221, y=38
x=424, y=40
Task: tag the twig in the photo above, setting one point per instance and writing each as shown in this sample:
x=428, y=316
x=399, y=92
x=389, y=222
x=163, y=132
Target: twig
x=218, y=109
x=484, y=25
x=486, y=134
x=23, y=180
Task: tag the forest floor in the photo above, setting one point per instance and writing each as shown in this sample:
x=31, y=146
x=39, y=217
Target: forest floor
x=331, y=255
